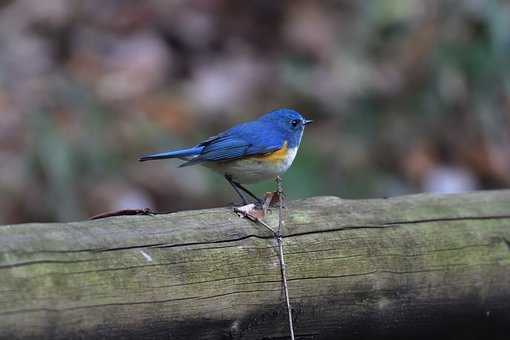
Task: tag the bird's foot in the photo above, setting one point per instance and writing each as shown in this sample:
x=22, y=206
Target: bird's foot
x=272, y=200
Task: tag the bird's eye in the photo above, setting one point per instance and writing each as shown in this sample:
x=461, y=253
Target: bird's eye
x=294, y=122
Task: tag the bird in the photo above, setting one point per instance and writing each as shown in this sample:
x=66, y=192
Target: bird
x=249, y=152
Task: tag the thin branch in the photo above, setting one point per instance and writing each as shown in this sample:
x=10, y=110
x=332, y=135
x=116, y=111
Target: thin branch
x=281, y=204
x=279, y=240
x=283, y=270
x=248, y=211
x=261, y=222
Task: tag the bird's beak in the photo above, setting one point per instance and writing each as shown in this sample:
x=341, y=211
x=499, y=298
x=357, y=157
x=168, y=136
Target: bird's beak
x=307, y=121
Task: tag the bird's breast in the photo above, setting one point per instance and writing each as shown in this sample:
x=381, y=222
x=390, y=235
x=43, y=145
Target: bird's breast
x=260, y=167
x=279, y=156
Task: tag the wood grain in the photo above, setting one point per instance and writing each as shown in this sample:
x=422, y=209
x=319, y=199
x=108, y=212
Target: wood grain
x=411, y=267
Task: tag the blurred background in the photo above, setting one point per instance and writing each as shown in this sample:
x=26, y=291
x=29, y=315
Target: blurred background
x=407, y=96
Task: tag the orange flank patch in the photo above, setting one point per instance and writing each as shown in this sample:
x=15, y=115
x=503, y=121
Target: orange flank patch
x=276, y=156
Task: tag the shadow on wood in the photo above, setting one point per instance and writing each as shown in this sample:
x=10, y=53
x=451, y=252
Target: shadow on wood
x=411, y=267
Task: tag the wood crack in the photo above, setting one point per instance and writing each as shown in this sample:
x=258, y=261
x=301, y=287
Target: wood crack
x=58, y=310
x=35, y=262
x=450, y=219
x=385, y=271
x=237, y=239
x=239, y=292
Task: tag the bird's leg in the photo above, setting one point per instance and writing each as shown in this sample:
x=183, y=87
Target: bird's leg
x=259, y=201
x=235, y=186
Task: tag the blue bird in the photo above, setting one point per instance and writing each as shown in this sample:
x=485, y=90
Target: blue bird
x=248, y=152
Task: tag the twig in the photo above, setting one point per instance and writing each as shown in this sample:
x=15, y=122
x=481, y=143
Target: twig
x=283, y=270
x=125, y=212
x=279, y=240
x=281, y=202
x=247, y=212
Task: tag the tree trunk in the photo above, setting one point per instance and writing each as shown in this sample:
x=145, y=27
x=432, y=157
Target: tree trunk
x=411, y=267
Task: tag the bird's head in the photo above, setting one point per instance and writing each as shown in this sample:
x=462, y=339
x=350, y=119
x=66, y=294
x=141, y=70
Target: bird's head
x=289, y=122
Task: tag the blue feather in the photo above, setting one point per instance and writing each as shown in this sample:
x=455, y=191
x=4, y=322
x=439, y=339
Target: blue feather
x=265, y=135
x=244, y=140
x=173, y=154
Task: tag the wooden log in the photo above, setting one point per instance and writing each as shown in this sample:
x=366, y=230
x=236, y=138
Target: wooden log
x=411, y=267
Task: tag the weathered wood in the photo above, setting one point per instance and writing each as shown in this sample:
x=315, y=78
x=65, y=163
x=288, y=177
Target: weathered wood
x=410, y=267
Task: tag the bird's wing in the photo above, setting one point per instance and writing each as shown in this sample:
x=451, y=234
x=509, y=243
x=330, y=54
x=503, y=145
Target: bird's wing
x=234, y=144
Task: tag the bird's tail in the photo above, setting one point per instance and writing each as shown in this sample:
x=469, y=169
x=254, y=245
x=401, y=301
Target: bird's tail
x=173, y=154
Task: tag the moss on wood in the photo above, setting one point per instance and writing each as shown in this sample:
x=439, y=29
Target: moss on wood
x=401, y=266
